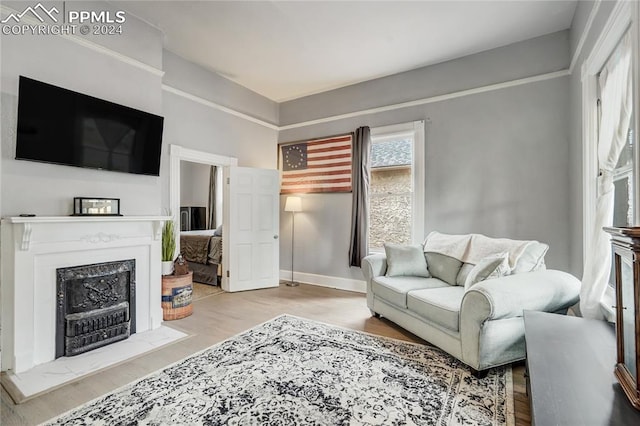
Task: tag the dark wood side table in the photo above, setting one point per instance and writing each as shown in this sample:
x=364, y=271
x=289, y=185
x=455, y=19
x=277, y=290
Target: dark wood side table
x=570, y=363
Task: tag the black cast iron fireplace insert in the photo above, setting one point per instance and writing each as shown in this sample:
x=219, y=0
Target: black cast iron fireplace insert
x=96, y=306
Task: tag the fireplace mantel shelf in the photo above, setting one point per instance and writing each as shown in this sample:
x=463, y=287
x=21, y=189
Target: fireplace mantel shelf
x=67, y=219
x=27, y=221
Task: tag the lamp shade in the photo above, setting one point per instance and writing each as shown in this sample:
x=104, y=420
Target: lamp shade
x=293, y=204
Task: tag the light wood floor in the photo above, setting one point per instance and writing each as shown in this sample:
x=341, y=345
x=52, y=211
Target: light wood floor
x=216, y=318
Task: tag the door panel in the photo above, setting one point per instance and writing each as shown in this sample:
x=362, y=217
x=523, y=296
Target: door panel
x=251, y=227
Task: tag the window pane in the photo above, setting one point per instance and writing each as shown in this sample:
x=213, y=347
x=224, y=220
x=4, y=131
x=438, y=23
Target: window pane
x=622, y=212
x=391, y=196
x=390, y=210
x=626, y=156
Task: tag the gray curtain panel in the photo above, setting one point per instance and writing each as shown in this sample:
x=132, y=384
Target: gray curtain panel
x=213, y=188
x=359, y=246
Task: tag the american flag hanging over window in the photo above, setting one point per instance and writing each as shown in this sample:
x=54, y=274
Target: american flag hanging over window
x=320, y=165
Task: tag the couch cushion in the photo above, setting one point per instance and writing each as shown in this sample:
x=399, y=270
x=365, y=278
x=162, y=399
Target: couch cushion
x=464, y=273
x=394, y=289
x=493, y=266
x=438, y=305
x=443, y=267
x=405, y=261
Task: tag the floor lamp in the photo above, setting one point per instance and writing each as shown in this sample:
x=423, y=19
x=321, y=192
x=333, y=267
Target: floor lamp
x=293, y=205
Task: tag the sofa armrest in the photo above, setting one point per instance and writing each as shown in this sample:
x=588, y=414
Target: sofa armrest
x=373, y=265
x=507, y=297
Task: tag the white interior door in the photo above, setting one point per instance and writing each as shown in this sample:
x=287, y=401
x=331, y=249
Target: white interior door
x=250, y=244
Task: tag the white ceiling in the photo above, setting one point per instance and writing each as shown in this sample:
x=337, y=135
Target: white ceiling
x=286, y=50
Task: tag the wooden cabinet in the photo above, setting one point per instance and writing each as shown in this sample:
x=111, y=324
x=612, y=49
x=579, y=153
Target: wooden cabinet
x=626, y=250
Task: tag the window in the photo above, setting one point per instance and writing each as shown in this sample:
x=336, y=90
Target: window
x=623, y=204
x=623, y=194
x=613, y=54
x=396, y=189
x=623, y=184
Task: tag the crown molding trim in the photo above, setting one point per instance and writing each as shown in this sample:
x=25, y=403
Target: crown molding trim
x=5, y=10
x=432, y=99
x=217, y=106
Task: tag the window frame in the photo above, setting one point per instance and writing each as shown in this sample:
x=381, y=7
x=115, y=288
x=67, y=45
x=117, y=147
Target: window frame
x=416, y=130
x=624, y=16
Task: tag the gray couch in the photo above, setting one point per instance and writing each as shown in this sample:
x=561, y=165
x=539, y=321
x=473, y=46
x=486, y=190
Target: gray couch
x=481, y=326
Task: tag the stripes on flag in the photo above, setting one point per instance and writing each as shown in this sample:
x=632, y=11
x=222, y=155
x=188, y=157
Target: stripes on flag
x=319, y=165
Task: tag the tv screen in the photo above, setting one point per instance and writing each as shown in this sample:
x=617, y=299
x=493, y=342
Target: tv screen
x=57, y=125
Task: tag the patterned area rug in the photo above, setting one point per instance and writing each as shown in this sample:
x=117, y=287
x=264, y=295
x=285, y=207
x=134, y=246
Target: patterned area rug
x=293, y=371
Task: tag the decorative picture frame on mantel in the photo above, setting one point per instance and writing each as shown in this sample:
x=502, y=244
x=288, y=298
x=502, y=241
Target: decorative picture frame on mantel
x=317, y=165
x=96, y=206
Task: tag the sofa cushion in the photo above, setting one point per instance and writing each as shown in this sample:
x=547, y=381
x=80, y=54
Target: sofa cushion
x=443, y=267
x=394, y=289
x=405, y=261
x=464, y=273
x=493, y=266
x=438, y=305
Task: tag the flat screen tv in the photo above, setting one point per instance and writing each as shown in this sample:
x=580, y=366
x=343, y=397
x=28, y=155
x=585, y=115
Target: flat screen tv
x=57, y=125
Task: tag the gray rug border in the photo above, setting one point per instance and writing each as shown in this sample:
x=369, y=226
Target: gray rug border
x=508, y=375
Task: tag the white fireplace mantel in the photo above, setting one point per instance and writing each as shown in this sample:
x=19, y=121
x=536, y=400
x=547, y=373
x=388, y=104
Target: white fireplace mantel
x=27, y=221
x=34, y=247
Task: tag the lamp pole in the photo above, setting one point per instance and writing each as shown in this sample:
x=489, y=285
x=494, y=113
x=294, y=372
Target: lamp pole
x=293, y=230
x=293, y=205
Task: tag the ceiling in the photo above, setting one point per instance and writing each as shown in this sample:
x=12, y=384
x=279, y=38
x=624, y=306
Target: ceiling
x=285, y=50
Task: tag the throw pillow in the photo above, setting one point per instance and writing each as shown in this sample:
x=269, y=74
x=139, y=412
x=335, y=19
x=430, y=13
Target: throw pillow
x=464, y=273
x=443, y=267
x=532, y=258
x=405, y=260
x=493, y=266
x=218, y=231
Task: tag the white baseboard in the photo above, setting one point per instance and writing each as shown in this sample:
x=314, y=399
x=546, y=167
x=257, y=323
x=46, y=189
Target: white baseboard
x=359, y=286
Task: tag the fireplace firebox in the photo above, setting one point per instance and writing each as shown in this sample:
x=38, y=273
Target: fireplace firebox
x=95, y=306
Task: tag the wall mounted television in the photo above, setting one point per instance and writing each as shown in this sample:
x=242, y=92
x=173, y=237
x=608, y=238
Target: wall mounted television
x=60, y=126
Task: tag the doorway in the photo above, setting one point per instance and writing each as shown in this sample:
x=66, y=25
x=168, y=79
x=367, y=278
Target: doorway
x=192, y=216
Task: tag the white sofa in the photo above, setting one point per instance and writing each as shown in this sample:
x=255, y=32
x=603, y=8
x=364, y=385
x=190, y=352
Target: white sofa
x=481, y=325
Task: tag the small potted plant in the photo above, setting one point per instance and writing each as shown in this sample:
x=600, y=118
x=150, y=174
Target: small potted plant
x=168, y=247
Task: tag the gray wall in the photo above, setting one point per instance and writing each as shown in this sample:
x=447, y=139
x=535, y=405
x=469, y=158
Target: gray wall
x=191, y=78
x=473, y=143
x=194, y=184
x=496, y=162
x=524, y=59
x=197, y=126
x=575, y=115
x=46, y=189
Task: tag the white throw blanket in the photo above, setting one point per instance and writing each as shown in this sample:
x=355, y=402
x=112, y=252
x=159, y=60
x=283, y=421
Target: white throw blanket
x=472, y=248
